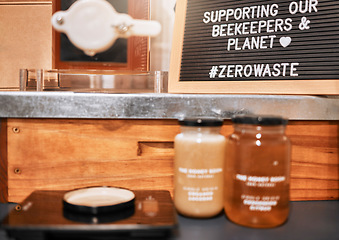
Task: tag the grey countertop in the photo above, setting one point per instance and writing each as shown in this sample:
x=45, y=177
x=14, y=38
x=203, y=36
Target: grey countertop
x=163, y=105
x=314, y=220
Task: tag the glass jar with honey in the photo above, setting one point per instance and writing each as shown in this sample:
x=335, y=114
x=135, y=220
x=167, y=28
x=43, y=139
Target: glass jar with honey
x=257, y=167
x=198, y=164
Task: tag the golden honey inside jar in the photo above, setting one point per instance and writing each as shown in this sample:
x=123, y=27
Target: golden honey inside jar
x=199, y=162
x=257, y=167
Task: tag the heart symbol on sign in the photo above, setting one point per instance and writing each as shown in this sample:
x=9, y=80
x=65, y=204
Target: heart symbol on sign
x=285, y=41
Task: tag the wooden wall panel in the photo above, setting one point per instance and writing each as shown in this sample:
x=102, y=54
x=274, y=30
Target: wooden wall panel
x=315, y=160
x=25, y=2
x=66, y=154
x=3, y=161
x=138, y=154
x=26, y=39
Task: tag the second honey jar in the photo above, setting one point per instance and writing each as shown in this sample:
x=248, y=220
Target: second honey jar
x=257, y=169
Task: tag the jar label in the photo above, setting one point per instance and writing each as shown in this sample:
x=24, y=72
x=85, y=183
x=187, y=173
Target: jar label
x=260, y=181
x=200, y=195
x=256, y=202
x=200, y=173
x=205, y=189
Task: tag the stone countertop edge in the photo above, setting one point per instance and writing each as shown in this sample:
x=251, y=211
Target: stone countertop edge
x=163, y=105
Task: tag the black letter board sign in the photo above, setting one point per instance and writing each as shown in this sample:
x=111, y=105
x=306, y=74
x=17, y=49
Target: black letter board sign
x=264, y=47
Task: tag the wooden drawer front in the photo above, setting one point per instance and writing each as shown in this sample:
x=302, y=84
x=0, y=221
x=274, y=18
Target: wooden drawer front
x=138, y=154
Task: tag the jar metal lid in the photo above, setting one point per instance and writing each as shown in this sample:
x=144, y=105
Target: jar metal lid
x=259, y=120
x=201, y=122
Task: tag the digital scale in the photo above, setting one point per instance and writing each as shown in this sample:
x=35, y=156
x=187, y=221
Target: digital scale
x=44, y=215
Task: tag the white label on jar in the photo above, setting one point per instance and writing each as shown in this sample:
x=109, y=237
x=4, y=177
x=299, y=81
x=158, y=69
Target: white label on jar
x=260, y=181
x=257, y=203
x=207, y=192
x=200, y=196
x=200, y=173
x=260, y=204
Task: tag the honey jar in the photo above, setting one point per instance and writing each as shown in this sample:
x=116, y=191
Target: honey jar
x=257, y=167
x=199, y=160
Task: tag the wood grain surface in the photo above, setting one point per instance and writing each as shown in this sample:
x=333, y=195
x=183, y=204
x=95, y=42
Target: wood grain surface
x=26, y=39
x=59, y=154
x=3, y=161
x=22, y=2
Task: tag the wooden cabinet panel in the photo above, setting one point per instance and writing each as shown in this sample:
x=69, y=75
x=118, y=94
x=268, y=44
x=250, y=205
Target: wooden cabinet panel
x=64, y=154
x=3, y=161
x=25, y=39
x=25, y=1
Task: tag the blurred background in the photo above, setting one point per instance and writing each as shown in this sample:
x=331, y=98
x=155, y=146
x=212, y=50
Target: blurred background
x=26, y=37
